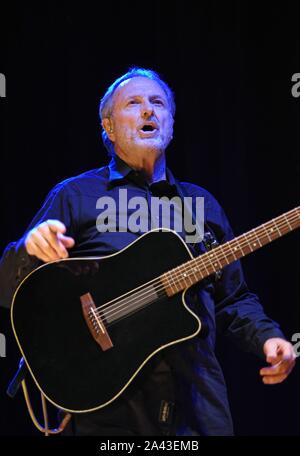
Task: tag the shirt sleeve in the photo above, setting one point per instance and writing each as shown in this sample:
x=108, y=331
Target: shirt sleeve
x=239, y=313
x=16, y=263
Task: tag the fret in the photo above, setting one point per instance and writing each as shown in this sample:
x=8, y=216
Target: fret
x=240, y=247
x=211, y=256
x=171, y=275
x=175, y=279
x=287, y=221
x=229, y=245
x=215, y=253
x=271, y=230
x=235, y=248
x=207, y=256
x=297, y=213
x=170, y=282
x=196, y=270
x=181, y=277
x=248, y=242
x=187, y=276
x=171, y=279
x=204, y=265
x=191, y=272
x=225, y=256
x=276, y=226
x=266, y=231
x=200, y=258
x=257, y=237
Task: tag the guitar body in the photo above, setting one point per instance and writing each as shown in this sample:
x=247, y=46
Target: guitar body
x=65, y=361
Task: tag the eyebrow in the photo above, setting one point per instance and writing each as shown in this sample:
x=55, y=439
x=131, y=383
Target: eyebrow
x=140, y=96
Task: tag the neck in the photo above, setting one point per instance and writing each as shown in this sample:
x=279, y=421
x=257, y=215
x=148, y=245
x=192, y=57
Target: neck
x=151, y=166
x=154, y=171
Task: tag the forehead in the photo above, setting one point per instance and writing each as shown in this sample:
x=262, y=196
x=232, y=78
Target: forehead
x=138, y=86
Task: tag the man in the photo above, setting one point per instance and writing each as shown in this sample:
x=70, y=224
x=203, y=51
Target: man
x=180, y=391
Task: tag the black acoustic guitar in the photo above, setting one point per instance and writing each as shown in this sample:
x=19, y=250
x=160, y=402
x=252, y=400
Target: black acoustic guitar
x=87, y=326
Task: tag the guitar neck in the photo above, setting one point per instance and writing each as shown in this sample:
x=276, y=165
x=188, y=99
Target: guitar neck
x=204, y=265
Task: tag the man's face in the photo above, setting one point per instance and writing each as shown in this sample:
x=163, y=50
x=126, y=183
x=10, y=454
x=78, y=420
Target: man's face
x=141, y=118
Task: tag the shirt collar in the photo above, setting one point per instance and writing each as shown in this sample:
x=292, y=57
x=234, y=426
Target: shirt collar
x=120, y=170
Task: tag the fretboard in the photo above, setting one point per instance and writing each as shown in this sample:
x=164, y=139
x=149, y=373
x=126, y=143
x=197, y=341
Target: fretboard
x=212, y=261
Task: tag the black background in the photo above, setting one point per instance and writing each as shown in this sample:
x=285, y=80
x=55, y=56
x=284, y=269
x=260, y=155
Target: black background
x=236, y=134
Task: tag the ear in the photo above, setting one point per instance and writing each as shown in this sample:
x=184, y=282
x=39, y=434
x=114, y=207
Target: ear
x=108, y=127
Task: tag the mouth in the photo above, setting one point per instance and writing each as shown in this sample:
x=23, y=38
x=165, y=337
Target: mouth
x=148, y=129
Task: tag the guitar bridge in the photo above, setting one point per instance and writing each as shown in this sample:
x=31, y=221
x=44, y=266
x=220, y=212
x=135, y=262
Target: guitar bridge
x=95, y=323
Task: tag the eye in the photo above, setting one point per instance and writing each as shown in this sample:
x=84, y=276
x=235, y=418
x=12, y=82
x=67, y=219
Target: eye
x=158, y=102
x=132, y=102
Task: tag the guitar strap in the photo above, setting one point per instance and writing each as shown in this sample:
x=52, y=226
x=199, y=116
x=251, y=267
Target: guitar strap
x=209, y=240
x=19, y=380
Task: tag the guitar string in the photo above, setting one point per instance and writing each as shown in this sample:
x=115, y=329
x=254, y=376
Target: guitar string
x=137, y=296
x=130, y=306
x=118, y=303
x=180, y=275
x=131, y=312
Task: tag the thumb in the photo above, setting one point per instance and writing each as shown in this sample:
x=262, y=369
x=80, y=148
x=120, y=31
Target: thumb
x=56, y=226
x=67, y=241
x=273, y=359
x=271, y=351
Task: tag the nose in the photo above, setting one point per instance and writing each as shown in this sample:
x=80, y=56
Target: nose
x=147, y=110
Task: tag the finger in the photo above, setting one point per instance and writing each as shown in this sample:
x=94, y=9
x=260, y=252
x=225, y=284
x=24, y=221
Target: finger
x=60, y=240
x=56, y=226
x=66, y=240
x=285, y=354
x=278, y=351
x=43, y=246
x=285, y=366
x=273, y=359
x=286, y=351
x=36, y=245
x=39, y=253
x=271, y=352
x=51, y=237
x=59, y=246
x=274, y=379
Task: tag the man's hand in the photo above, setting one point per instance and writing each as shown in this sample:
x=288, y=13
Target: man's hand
x=47, y=241
x=280, y=354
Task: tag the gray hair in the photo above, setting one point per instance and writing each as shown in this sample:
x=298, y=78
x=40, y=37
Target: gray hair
x=106, y=103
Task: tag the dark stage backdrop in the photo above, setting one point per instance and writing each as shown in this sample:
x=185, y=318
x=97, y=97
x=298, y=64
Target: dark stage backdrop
x=236, y=134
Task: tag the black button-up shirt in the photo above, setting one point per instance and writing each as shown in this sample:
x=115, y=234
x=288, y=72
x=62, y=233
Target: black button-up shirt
x=193, y=379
